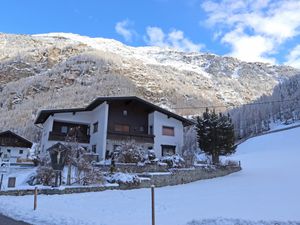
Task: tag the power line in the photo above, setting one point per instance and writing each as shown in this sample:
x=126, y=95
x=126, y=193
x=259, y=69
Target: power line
x=232, y=105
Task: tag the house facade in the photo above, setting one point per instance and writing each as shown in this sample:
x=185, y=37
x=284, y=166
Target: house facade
x=108, y=122
x=13, y=147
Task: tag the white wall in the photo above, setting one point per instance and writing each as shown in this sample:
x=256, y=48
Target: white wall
x=14, y=153
x=47, y=127
x=99, y=114
x=158, y=120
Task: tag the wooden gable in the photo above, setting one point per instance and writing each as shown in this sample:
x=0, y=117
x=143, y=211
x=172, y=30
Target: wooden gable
x=11, y=139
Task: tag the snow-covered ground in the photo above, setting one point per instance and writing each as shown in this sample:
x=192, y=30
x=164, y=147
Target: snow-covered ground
x=268, y=189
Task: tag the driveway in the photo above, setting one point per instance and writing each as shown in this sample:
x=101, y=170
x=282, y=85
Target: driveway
x=8, y=221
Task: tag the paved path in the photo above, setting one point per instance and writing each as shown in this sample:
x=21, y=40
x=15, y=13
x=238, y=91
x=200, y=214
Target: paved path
x=4, y=220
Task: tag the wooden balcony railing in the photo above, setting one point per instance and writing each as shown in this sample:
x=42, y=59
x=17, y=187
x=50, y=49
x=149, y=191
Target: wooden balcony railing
x=53, y=136
x=139, y=137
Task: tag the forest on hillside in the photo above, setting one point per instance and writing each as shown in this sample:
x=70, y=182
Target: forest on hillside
x=282, y=106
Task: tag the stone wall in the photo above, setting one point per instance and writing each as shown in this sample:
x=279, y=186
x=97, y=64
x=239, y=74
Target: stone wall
x=159, y=179
x=58, y=191
x=134, y=168
x=183, y=176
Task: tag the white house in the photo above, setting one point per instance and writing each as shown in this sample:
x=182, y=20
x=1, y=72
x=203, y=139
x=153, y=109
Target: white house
x=13, y=147
x=109, y=121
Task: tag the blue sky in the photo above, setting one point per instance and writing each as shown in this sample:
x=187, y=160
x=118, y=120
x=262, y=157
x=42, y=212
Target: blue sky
x=251, y=30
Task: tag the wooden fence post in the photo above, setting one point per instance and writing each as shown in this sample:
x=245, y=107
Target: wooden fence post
x=1, y=180
x=153, y=204
x=35, y=198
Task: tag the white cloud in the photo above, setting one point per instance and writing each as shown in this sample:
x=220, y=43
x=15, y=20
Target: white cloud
x=123, y=28
x=260, y=24
x=249, y=48
x=293, y=58
x=155, y=36
x=174, y=39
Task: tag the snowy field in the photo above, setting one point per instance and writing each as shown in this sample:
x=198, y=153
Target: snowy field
x=265, y=192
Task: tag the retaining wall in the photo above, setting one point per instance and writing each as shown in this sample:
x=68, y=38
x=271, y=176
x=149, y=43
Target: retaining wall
x=159, y=179
x=134, y=168
x=181, y=176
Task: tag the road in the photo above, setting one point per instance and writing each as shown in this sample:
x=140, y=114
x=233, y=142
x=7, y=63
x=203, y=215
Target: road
x=4, y=220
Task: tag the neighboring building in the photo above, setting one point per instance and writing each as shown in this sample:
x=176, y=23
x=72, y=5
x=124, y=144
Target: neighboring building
x=13, y=146
x=108, y=122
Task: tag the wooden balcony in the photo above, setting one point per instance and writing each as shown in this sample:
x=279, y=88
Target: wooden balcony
x=54, y=136
x=138, y=137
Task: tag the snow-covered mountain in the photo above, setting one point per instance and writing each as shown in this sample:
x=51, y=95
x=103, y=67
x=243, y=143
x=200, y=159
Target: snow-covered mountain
x=68, y=70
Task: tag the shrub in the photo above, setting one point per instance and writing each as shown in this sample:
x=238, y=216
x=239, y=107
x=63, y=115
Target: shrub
x=130, y=153
x=173, y=161
x=149, y=157
x=230, y=163
x=123, y=178
x=45, y=174
x=93, y=176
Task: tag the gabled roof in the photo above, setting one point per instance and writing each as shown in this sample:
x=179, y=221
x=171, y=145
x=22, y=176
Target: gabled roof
x=58, y=146
x=44, y=114
x=22, y=139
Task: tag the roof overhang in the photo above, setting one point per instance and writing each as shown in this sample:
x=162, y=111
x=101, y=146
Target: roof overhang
x=44, y=114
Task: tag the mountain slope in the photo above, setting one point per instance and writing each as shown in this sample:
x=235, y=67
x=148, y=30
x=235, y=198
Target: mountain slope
x=68, y=70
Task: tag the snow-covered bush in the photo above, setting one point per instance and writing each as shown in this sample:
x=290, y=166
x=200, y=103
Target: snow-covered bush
x=190, y=145
x=173, y=161
x=123, y=178
x=93, y=176
x=130, y=153
x=230, y=163
x=149, y=157
x=202, y=158
x=45, y=174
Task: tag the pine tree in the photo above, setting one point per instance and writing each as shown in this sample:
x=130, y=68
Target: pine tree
x=215, y=135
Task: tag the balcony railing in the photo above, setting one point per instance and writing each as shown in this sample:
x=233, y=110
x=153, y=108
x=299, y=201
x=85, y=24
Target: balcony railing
x=53, y=136
x=147, y=138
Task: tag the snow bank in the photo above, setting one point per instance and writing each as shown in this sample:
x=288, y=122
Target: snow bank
x=221, y=221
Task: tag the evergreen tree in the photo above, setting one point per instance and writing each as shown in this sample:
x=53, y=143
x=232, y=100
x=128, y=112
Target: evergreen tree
x=215, y=135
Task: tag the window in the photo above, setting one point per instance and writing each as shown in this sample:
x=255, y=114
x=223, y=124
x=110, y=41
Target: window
x=95, y=127
x=125, y=112
x=20, y=152
x=168, y=131
x=168, y=150
x=121, y=128
x=94, y=148
x=64, y=129
x=151, y=129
